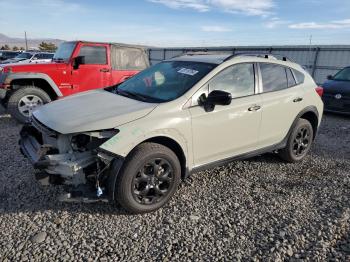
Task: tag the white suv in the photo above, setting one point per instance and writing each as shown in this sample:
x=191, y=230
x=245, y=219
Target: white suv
x=133, y=143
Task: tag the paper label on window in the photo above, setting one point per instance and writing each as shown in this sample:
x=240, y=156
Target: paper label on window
x=187, y=71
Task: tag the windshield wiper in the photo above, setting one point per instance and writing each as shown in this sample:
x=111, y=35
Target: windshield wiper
x=131, y=95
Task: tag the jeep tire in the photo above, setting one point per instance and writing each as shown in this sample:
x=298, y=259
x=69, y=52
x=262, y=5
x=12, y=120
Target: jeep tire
x=299, y=142
x=148, y=178
x=23, y=101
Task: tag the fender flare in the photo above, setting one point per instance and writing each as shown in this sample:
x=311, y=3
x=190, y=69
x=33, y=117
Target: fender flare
x=19, y=76
x=307, y=109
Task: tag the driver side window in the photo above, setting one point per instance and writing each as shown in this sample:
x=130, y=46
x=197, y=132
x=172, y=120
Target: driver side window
x=239, y=80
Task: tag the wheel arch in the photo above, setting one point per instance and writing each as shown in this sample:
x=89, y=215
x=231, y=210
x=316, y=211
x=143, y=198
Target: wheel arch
x=175, y=147
x=312, y=117
x=311, y=114
x=118, y=160
x=41, y=81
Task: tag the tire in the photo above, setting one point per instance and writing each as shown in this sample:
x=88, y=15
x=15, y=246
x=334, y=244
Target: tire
x=24, y=101
x=299, y=142
x=133, y=191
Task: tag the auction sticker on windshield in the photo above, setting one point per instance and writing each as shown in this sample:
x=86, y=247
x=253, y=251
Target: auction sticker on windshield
x=188, y=71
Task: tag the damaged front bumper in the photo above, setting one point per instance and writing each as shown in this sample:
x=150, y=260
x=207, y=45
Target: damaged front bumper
x=59, y=162
x=68, y=167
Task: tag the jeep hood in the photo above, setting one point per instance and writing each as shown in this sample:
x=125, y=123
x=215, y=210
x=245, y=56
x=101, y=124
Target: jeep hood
x=91, y=111
x=34, y=67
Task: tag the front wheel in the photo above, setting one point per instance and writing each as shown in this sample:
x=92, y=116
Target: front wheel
x=25, y=100
x=148, y=179
x=299, y=142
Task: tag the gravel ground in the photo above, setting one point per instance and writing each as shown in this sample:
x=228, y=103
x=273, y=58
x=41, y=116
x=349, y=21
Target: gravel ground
x=258, y=209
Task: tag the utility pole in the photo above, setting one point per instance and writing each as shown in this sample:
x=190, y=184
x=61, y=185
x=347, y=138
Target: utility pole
x=310, y=53
x=25, y=37
x=310, y=40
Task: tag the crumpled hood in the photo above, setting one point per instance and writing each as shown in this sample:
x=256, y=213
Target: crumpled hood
x=91, y=111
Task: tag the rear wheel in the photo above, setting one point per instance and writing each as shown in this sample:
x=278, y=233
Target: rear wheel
x=149, y=178
x=24, y=101
x=299, y=142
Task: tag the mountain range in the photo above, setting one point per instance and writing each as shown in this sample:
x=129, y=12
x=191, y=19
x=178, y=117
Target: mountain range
x=20, y=42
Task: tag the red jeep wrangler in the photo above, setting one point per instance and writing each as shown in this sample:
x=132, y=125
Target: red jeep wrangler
x=76, y=67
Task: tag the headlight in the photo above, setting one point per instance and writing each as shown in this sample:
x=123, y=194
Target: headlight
x=92, y=140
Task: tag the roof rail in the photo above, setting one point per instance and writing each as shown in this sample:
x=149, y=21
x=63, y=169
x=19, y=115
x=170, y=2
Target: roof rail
x=199, y=52
x=263, y=55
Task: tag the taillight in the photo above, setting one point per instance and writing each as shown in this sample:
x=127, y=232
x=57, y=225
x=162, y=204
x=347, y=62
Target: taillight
x=319, y=90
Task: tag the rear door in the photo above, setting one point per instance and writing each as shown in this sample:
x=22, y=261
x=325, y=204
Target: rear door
x=96, y=71
x=282, y=100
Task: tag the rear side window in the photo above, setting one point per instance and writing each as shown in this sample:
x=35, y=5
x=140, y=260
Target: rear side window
x=274, y=77
x=128, y=58
x=290, y=78
x=300, y=77
x=94, y=55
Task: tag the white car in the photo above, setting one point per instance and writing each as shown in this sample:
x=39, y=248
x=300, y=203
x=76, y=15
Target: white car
x=30, y=57
x=133, y=143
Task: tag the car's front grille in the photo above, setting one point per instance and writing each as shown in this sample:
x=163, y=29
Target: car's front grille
x=41, y=127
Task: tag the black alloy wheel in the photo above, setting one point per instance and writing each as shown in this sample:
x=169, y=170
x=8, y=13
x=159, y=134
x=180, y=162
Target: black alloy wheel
x=152, y=182
x=301, y=141
x=148, y=179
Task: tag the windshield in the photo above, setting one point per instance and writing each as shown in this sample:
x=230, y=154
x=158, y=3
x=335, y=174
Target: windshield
x=343, y=75
x=165, y=81
x=64, y=51
x=24, y=56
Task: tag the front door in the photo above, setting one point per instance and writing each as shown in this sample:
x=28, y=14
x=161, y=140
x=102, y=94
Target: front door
x=228, y=130
x=95, y=72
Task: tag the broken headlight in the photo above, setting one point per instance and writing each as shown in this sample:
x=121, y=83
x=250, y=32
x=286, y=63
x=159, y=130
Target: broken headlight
x=91, y=140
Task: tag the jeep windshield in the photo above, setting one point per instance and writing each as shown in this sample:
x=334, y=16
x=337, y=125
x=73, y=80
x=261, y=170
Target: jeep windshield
x=164, y=82
x=64, y=51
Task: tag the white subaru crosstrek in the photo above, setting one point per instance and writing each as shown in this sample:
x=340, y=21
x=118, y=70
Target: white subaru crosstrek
x=133, y=143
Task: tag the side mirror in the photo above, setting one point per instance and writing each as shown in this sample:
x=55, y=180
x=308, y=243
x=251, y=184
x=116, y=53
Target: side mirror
x=216, y=97
x=77, y=61
x=330, y=77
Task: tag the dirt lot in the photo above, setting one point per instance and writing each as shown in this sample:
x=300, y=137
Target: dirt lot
x=258, y=209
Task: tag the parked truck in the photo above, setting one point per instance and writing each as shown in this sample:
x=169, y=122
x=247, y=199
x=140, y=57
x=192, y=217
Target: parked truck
x=77, y=66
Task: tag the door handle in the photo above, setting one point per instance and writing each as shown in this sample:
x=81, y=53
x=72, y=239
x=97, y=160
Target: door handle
x=298, y=99
x=104, y=70
x=254, y=108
